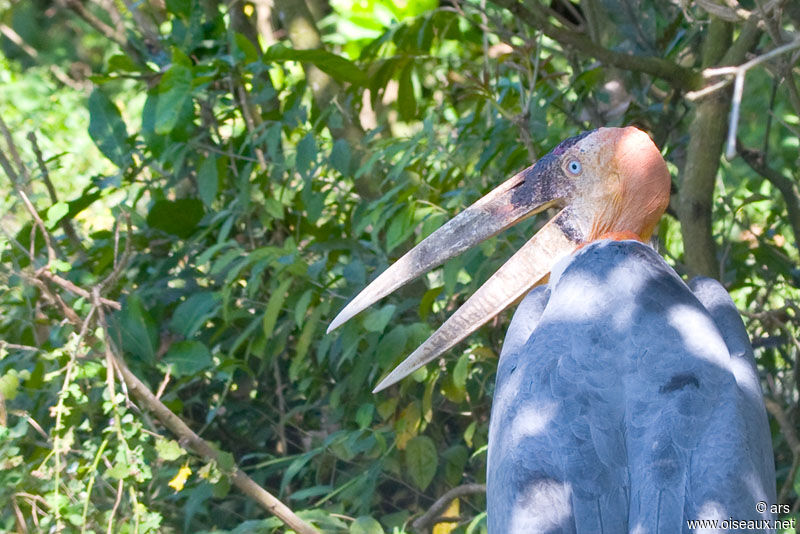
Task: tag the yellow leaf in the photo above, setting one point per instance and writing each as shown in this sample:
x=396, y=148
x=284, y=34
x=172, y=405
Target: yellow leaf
x=447, y=528
x=180, y=479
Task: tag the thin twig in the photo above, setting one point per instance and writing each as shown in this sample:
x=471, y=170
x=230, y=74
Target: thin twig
x=738, y=73
x=66, y=223
x=12, y=148
x=430, y=517
x=51, y=252
x=120, y=264
x=72, y=288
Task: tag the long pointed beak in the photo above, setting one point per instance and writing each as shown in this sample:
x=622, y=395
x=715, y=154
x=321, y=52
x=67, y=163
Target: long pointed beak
x=530, y=191
x=521, y=273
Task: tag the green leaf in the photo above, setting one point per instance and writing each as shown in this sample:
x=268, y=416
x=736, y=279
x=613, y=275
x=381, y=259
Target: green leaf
x=55, y=213
x=191, y=314
x=305, y=339
x=364, y=415
x=208, y=180
x=107, y=129
x=301, y=307
x=174, y=92
x=274, y=307
x=168, y=449
x=377, y=320
x=460, y=371
x=138, y=330
x=456, y=458
x=340, y=157
x=421, y=461
x=401, y=228
x=9, y=385
x=366, y=525
x=180, y=7
x=392, y=345
x=406, y=102
x=176, y=217
x=245, y=47
x=123, y=63
x=188, y=358
x=306, y=154
x=337, y=67
x=119, y=471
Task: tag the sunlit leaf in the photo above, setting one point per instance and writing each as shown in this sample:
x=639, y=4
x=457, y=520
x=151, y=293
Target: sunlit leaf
x=169, y=449
x=336, y=66
x=366, y=525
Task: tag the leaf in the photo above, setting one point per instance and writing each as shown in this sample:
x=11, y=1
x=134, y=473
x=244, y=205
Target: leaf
x=306, y=154
x=460, y=371
x=245, y=47
x=192, y=313
x=139, y=334
x=305, y=339
x=377, y=320
x=168, y=449
x=123, y=63
x=55, y=213
x=179, y=480
x=301, y=307
x=119, y=471
x=456, y=458
x=421, y=461
x=174, y=92
x=9, y=385
x=392, y=345
x=274, y=307
x=337, y=67
x=340, y=157
x=406, y=102
x=188, y=358
x=401, y=228
x=364, y=415
x=107, y=129
x=366, y=525
x=208, y=180
x=176, y=217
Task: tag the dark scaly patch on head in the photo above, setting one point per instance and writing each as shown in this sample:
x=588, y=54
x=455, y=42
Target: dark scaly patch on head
x=565, y=144
x=541, y=180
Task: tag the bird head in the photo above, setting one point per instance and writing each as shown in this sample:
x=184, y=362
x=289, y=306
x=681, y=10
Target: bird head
x=608, y=183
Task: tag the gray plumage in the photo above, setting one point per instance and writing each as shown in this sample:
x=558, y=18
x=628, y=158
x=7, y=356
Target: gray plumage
x=626, y=402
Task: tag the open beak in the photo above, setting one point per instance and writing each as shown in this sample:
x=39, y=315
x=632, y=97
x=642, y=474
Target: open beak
x=534, y=189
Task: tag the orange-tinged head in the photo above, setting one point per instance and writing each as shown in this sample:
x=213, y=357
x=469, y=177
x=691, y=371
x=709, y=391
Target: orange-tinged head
x=620, y=183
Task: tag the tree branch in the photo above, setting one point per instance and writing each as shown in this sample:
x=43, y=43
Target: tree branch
x=677, y=76
x=429, y=518
x=707, y=133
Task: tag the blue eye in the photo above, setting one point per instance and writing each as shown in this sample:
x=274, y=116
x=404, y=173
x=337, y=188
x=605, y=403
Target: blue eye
x=574, y=167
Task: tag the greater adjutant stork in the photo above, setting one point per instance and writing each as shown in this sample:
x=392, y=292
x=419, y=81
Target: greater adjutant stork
x=626, y=401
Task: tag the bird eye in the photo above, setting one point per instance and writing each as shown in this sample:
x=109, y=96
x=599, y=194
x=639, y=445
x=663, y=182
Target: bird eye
x=574, y=167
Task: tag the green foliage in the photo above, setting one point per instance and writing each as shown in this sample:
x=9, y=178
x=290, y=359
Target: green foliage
x=231, y=205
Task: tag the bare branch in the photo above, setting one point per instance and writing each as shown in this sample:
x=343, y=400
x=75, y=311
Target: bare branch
x=429, y=518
